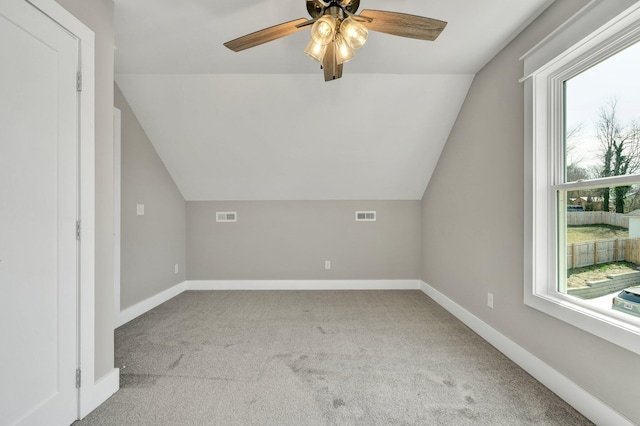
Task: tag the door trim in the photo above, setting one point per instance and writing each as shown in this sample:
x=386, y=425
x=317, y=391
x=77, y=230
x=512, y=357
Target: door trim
x=117, y=191
x=92, y=392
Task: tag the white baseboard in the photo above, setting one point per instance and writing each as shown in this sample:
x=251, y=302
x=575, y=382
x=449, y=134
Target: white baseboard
x=590, y=406
x=303, y=285
x=146, y=305
x=94, y=394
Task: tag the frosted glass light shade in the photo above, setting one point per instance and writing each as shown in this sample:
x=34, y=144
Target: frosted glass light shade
x=324, y=29
x=354, y=33
x=315, y=50
x=344, y=52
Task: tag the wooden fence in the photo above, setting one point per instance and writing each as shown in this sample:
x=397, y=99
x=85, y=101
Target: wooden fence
x=603, y=251
x=596, y=218
x=633, y=250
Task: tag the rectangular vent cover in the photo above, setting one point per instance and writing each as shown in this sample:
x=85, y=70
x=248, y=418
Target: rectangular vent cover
x=366, y=216
x=226, y=217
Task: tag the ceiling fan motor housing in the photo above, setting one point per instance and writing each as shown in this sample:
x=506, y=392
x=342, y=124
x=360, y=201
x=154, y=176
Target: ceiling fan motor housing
x=317, y=8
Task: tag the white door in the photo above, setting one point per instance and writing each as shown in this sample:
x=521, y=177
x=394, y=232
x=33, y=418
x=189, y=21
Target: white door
x=38, y=212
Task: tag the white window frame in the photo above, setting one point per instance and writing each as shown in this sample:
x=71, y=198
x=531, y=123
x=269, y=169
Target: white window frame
x=599, y=30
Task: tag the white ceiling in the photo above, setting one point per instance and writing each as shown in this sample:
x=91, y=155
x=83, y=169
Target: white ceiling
x=263, y=125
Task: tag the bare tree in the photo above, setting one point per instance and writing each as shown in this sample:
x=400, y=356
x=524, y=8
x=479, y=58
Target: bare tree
x=573, y=169
x=572, y=139
x=620, y=151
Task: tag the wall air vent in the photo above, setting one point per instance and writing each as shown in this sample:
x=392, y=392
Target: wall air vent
x=366, y=216
x=226, y=217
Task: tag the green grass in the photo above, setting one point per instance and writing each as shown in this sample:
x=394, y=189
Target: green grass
x=579, y=234
x=605, y=268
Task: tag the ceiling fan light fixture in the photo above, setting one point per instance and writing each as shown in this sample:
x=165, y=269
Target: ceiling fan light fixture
x=354, y=33
x=316, y=50
x=323, y=30
x=336, y=31
x=344, y=52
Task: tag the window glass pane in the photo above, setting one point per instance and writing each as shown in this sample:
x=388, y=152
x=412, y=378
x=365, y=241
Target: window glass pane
x=602, y=120
x=598, y=251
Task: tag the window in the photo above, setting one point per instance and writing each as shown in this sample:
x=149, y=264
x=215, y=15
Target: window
x=582, y=171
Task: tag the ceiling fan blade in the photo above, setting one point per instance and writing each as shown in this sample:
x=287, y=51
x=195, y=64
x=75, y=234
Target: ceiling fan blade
x=403, y=25
x=265, y=35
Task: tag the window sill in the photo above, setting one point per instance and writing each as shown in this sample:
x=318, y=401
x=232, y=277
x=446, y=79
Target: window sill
x=614, y=327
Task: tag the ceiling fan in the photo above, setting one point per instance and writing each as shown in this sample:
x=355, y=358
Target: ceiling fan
x=336, y=31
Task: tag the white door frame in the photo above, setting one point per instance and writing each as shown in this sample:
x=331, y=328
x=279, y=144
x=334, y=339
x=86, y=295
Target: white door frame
x=117, y=191
x=92, y=393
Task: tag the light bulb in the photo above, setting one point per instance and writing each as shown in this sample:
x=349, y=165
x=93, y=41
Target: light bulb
x=315, y=50
x=344, y=52
x=323, y=30
x=354, y=33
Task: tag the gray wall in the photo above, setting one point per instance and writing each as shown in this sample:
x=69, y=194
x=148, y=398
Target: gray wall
x=153, y=243
x=291, y=240
x=98, y=15
x=480, y=172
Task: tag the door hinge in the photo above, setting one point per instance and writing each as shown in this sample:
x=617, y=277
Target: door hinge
x=78, y=378
x=78, y=230
x=79, y=81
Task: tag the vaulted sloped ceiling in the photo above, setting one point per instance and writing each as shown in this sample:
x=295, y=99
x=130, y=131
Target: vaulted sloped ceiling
x=263, y=125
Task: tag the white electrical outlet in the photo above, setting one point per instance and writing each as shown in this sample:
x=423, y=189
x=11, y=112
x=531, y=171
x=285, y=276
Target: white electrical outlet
x=176, y=268
x=327, y=264
x=490, y=300
x=140, y=209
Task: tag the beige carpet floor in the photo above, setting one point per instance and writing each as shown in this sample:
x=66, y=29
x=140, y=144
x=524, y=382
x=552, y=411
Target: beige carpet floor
x=317, y=358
